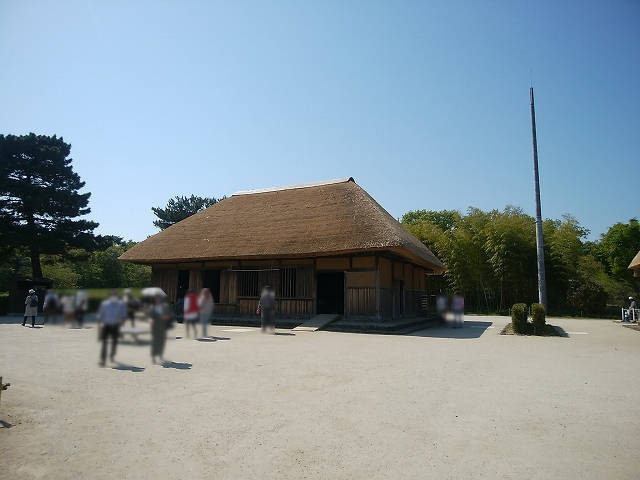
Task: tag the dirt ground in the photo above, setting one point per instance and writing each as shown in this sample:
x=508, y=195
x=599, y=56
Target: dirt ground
x=440, y=403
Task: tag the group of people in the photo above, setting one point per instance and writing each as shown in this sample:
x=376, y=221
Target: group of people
x=455, y=305
x=114, y=312
x=73, y=307
x=197, y=307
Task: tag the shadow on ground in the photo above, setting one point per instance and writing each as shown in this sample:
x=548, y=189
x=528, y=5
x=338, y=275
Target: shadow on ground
x=473, y=329
x=561, y=331
x=177, y=365
x=129, y=368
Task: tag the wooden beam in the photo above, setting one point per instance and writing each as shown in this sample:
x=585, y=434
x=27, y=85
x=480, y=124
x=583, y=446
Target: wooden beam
x=378, y=299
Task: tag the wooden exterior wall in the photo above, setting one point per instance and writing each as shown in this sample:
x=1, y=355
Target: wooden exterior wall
x=361, y=292
x=375, y=286
x=166, y=279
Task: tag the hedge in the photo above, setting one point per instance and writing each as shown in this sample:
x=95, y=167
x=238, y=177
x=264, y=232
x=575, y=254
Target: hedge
x=519, y=317
x=538, y=315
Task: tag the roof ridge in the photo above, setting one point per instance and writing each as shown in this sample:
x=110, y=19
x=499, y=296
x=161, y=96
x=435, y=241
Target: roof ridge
x=293, y=187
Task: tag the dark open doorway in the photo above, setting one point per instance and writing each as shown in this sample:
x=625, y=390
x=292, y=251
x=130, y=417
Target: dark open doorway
x=211, y=280
x=331, y=292
x=183, y=283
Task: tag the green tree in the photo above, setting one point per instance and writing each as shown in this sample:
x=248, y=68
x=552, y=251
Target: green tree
x=40, y=199
x=60, y=271
x=490, y=258
x=103, y=269
x=445, y=219
x=617, y=248
x=511, y=249
x=181, y=207
x=15, y=264
x=564, y=249
x=586, y=296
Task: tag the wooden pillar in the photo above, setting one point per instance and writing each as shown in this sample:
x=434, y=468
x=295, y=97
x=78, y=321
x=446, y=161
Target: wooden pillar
x=378, y=299
x=344, y=295
x=314, y=288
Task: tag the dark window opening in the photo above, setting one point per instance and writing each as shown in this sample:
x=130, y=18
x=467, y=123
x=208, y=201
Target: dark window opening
x=211, y=280
x=183, y=283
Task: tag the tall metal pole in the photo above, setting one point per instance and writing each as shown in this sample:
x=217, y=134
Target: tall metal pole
x=542, y=283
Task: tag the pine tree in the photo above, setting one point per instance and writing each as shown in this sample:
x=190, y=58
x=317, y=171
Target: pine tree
x=40, y=199
x=179, y=208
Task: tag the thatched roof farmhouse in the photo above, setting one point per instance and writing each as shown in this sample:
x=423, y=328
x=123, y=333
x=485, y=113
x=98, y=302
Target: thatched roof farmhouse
x=327, y=247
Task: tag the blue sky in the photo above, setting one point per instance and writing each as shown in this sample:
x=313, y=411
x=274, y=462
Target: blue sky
x=425, y=104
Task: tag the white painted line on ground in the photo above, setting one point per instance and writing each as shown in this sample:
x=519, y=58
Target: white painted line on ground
x=478, y=326
x=238, y=330
x=578, y=333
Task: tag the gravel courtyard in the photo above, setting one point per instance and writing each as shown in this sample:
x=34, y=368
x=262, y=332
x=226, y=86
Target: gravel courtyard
x=439, y=403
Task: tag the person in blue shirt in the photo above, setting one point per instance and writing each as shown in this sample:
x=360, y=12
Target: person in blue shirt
x=111, y=315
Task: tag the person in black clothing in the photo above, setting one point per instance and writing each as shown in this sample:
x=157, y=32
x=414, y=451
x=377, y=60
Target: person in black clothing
x=266, y=309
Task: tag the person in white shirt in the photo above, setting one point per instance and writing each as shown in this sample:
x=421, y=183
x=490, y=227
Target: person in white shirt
x=111, y=315
x=81, y=306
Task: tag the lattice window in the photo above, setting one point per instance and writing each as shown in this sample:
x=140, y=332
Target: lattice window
x=248, y=284
x=288, y=282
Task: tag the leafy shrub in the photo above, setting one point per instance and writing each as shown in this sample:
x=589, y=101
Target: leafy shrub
x=519, y=317
x=538, y=315
x=586, y=296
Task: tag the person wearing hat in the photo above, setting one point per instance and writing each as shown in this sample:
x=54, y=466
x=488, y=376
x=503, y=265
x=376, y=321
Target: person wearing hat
x=30, y=308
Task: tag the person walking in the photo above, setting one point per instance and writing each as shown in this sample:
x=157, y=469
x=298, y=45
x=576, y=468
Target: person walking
x=160, y=314
x=111, y=315
x=441, y=308
x=80, y=306
x=30, y=308
x=51, y=306
x=68, y=308
x=191, y=312
x=132, y=306
x=457, y=305
x=266, y=307
x=205, y=304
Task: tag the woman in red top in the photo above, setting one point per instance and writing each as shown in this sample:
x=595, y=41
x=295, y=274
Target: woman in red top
x=191, y=312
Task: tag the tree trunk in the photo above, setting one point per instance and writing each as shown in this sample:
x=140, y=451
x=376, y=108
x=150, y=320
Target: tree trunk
x=36, y=268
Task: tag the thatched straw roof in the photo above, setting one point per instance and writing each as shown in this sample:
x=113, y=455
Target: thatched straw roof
x=635, y=265
x=319, y=219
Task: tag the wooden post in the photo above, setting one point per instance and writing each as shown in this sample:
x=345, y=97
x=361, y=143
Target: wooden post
x=344, y=300
x=378, y=299
x=314, y=288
